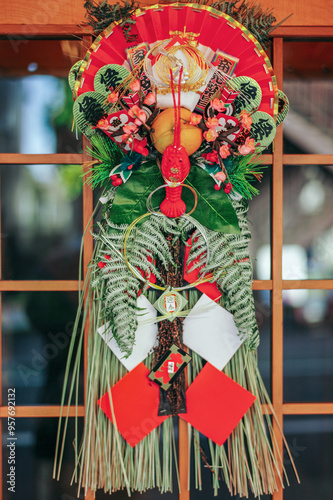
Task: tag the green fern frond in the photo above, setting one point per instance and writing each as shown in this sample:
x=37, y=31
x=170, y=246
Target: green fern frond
x=231, y=265
x=121, y=287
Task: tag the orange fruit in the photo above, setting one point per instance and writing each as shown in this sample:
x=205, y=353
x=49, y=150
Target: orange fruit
x=163, y=131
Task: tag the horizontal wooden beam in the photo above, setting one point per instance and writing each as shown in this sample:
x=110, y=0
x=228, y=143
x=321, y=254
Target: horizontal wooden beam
x=307, y=284
x=308, y=408
x=308, y=159
x=73, y=285
x=62, y=285
x=262, y=285
x=39, y=159
x=36, y=31
x=77, y=159
x=54, y=411
x=266, y=159
x=302, y=32
x=39, y=286
x=303, y=159
x=42, y=411
x=266, y=409
x=30, y=31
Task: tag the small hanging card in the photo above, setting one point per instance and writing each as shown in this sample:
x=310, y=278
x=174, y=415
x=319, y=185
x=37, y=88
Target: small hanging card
x=169, y=367
x=216, y=81
x=225, y=65
x=170, y=303
x=225, y=62
x=228, y=96
x=136, y=54
x=132, y=100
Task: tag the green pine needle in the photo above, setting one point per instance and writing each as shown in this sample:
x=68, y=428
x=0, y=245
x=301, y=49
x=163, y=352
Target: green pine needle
x=258, y=21
x=101, y=14
x=109, y=156
x=242, y=172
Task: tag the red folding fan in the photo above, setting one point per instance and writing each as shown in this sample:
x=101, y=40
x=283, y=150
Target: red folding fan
x=210, y=30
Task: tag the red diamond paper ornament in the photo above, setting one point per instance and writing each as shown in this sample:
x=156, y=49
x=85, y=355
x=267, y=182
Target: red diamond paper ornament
x=135, y=401
x=215, y=404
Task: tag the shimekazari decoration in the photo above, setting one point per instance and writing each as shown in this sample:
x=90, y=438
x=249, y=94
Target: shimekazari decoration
x=178, y=101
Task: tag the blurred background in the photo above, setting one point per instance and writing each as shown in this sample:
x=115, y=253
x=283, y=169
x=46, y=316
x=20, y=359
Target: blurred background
x=41, y=228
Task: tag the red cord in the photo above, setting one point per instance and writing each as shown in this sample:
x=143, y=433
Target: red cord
x=176, y=106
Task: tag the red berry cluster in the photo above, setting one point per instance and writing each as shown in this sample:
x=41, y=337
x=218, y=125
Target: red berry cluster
x=116, y=180
x=227, y=188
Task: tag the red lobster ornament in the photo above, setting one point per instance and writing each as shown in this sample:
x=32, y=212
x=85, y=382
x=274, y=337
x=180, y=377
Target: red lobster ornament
x=175, y=165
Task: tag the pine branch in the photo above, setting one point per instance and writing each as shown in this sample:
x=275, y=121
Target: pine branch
x=242, y=172
x=101, y=14
x=108, y=156
x=258, y=21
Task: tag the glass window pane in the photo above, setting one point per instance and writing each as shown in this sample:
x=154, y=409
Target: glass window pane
x=307, y=222
x=262, y=300
x=36, y=332
x=34, y=454
x=308, y=83
x=41, y=221
x=260, y=227
x=207, y=491
x=308, y=346
x=35, y=98
x=310, y=439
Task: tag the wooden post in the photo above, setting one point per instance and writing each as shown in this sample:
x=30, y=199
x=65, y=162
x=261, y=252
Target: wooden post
x=277, y=243
x=88, y=245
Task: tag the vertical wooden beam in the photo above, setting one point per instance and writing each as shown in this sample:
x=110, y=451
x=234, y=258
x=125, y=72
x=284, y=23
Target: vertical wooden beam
x=88, y=244
x=277, y=244
x=183, y=453
x=88, y=206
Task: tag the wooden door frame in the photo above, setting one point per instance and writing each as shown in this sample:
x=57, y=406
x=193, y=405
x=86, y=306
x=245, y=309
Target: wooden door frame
x=276, y=284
